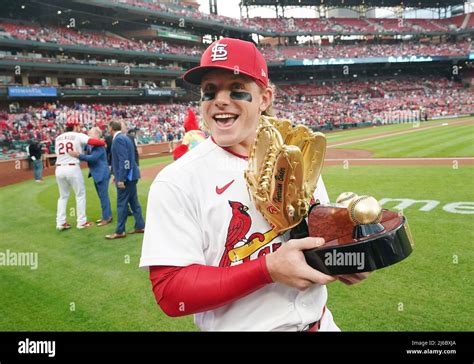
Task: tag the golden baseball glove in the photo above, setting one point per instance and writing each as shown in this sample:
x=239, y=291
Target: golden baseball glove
x=283, y=169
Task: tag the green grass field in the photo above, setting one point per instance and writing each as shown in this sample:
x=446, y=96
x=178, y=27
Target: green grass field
x=78, y=270
x=86, y=283
x=430, y=139
x=344, y=135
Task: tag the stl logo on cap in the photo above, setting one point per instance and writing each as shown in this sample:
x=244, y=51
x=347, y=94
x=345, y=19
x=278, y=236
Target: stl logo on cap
x=219, y=53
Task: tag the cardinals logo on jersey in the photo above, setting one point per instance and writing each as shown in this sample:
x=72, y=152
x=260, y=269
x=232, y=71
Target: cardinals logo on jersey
x=238, y=246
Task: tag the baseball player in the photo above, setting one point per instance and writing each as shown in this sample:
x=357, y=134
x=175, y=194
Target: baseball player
x=199, y=211
x=69, y=175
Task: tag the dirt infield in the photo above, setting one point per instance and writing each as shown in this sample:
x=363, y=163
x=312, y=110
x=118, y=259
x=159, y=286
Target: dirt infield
x=151, y=172
x=346, y=154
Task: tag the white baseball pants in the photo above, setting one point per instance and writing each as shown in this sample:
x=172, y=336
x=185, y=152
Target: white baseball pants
x=68, y=177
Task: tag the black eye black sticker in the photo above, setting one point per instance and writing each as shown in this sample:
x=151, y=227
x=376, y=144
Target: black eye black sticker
x=235, y=95
x=208, y=96
x=241, y=95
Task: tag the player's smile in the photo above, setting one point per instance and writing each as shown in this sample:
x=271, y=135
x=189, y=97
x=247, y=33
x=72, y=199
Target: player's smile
x=225, y=120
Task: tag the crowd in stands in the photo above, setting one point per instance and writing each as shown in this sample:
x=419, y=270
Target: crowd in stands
x=154, y=122
x=186, y=12
x=361, y=50
x=281, y=25
x=280, y=54
x=374, y=101
x=359, y=25
x=70, y=36
x=284, y=25
x=272, y=54
x=328, y=104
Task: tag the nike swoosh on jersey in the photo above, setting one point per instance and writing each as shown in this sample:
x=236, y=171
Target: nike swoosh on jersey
x=221, y=190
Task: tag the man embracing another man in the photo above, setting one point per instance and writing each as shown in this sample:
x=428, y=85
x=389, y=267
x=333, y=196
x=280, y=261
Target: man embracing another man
x=96, y=158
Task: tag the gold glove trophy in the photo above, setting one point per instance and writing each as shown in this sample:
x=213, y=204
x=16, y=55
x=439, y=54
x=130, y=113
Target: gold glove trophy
x=284, y=167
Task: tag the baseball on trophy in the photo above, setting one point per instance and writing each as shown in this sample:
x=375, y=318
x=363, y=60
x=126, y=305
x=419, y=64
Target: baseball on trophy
x=345, y=198
x=364, y=210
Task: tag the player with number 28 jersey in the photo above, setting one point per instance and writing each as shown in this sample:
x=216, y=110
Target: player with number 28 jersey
x=69, y=174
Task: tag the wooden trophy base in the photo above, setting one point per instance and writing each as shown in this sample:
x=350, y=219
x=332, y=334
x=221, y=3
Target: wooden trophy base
x=354, y=249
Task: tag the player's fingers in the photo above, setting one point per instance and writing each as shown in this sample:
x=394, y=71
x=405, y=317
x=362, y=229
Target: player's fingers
x=344, y=280
x=302, y=284
x=352, y=278
x=316, y=276
x=307, y=243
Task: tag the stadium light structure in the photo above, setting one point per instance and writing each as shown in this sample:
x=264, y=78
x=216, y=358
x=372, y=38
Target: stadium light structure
x=213, y=7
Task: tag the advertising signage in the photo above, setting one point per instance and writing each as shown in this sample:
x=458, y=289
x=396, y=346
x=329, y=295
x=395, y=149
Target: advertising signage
x=24, y=91
x=347, y=61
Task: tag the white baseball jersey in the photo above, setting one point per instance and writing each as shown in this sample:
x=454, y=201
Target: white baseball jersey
x=191, y=205
x=68, y=142
x=69, y=175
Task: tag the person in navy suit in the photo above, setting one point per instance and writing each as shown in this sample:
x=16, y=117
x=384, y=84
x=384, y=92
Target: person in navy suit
x=96, y=159
x=126, y=174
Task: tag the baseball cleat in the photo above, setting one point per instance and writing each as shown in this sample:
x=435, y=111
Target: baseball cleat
x=64, y=226
x=85, y=225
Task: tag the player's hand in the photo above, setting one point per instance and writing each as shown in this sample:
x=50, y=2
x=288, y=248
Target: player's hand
x=288, y=266
x=350, y=279
x=121, y=185
x=74, y=154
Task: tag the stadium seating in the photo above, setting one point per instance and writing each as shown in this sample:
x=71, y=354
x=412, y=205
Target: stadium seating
x=272, y=54
x=317, y=25
x=357, y=25
x=318, y=104
x=61, y=35
x=367, y=50
x=375, y=101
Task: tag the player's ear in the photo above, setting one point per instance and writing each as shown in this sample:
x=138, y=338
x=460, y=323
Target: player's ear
x=266, y=98
x=203, y=125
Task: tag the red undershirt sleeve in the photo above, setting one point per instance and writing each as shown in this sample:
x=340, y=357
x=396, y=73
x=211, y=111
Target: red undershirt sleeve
x=96, y=142
x=197, y=288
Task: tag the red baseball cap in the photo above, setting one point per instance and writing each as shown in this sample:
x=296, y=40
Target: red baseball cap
x=234, y=55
